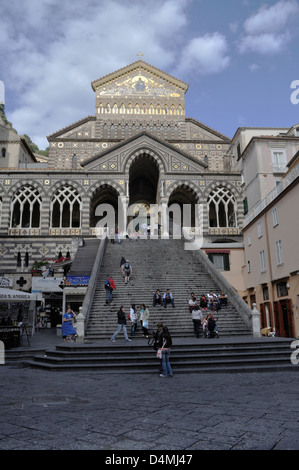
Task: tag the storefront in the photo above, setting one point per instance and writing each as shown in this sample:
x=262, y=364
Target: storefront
x=16, y=307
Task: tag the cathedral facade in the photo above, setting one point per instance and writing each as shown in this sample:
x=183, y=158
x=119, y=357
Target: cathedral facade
x=138, y=150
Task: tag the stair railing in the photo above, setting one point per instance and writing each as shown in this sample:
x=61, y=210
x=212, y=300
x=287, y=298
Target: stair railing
x=83, y=317
x=238, y=303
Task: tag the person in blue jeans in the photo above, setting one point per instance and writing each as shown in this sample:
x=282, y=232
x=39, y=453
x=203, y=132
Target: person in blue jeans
x=121, y=325
x=168, y=298
x=165, y=342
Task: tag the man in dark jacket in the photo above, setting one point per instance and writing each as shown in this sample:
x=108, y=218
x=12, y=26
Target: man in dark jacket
x=122, y=321
x=157, y=298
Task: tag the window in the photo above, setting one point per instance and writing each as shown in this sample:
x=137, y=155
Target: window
x=3, y=152
x=66, y=208
x=220, y=261
x=249, y=240
x=26, y=208
x=248, y=267
x=282, y=289
x=245, y=205
x=279, y=252
x=265, y=293
x=239, y=151
x=263, y=261
x=259, y=229
x=274, y=216
x=222, y=208
x=278, y=161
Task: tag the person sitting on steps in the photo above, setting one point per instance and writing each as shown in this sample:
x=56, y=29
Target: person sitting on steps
x=157, y=298
x=168, y=298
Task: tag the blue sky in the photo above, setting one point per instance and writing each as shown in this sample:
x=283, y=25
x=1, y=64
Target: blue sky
x=239, y=57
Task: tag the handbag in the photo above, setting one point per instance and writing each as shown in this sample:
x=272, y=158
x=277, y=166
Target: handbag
x=159, y=352
x=145, y=324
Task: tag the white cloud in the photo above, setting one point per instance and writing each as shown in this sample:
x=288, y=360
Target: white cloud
x=253, y=67
x=204, y=55
x=52, y=57
x=267, y=31
x=264, y=43
x=271, y=19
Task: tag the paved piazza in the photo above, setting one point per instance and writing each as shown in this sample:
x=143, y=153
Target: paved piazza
x=41, y=410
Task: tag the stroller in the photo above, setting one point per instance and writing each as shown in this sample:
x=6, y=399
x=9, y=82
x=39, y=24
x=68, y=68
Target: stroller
x=211, y=329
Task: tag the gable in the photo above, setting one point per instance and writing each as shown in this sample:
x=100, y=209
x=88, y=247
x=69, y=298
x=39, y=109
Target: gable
x=170, y=158
x=139, y=79
x=196, y=130
x=83, y=129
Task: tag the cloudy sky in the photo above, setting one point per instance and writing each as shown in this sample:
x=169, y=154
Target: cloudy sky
x=239, y=57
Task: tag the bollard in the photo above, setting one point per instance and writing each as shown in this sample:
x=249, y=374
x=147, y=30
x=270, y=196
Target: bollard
x=80, y=325
x=256, y=325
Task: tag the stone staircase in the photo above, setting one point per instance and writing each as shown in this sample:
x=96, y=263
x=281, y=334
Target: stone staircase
x=162, y=264
x=157, y=264
x=84, y=259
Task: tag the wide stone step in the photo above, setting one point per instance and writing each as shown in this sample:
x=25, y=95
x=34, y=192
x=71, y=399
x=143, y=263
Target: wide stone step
x=205, y=356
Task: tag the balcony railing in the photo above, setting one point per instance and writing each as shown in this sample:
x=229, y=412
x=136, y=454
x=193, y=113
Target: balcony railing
x=283, y=184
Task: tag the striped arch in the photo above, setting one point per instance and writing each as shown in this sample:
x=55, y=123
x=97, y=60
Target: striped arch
x=104, y=194
x=223, y=205
x=66, y=205
x=60, y=183
x=189, y=185
x=159, y=161
x=35, y=184
x=226, y=184
x=106, y=184
x=25, y=207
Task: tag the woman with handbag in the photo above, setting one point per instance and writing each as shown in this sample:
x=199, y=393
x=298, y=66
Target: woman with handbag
x=145, y=317
x=165, y=342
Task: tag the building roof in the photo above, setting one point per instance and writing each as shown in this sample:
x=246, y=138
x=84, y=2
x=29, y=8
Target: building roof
x=137, y=65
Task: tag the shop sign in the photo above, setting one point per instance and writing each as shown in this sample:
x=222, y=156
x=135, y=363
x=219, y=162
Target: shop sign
x=76, y=281
x=6, y=281
x=47, y=284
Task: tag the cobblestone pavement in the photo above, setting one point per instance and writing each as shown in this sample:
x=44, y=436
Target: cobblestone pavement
x=42, y=410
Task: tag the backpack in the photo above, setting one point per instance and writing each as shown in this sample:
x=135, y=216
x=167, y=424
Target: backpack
x=107, y=283
x=127, y=266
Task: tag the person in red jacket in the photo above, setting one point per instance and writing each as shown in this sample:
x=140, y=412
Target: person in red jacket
x=110, y=287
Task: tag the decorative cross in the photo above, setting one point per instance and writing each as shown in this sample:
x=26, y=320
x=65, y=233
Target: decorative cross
x=21, y=282
x=139, y=54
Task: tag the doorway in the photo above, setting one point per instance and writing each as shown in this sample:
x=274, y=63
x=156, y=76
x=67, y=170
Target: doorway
x=283, y=313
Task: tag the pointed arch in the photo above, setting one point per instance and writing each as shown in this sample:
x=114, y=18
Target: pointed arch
x=26, y=208
x=66, y=208
x=222, y=208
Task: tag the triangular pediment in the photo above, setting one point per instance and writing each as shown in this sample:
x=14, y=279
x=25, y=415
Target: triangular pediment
x=196, y=130
x=172, y=160
x=139, y=79
x=82, y=128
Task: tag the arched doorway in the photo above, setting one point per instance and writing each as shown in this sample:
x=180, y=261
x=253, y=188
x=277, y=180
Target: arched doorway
x=143, y=190
x=104, y=207
x=186, y=199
